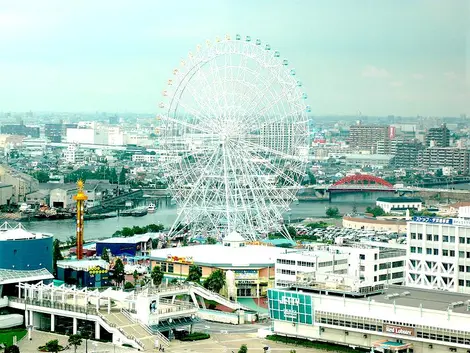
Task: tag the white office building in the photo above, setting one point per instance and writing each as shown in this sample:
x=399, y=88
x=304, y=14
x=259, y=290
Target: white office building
x=438, y=254
x=74, y=155
x=372, y=264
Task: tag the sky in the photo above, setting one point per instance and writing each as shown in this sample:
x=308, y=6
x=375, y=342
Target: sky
x=387, y=57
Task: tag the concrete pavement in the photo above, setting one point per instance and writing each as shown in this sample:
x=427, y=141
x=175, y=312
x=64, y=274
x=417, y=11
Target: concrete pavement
x=218, y=343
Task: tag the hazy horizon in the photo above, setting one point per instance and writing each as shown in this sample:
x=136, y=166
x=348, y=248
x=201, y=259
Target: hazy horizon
x=402, y=58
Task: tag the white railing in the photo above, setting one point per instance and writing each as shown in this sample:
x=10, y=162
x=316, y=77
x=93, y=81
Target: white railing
x=220, y=298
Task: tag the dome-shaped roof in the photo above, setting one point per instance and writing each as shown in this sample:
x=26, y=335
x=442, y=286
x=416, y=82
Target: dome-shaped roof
x=234, y=237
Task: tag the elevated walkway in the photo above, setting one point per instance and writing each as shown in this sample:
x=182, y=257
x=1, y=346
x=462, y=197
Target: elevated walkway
x=131, y=327
x=209, y=295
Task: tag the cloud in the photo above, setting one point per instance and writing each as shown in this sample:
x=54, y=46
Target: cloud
x=417, y=76
x=396, y=83
x=375, y=72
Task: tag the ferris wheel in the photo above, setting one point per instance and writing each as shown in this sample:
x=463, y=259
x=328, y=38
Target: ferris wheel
x=233, y=131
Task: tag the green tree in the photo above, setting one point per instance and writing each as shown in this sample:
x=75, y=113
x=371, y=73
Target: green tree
x=195, y=274
x=135, y=275
x=122, y=176
x=243, y=349
x=154, y=228
x=174, y=281
x=113, y=177
x=438, y=173
x=56, y=254
x=128, y=285
x=12, y=349
x=105, y=255
x=376, y=211
x=332, y=212
x=216, y=281
x=53, y=346
x=157, y=275
x=211, y=240
x=75, y=340
x=41, y=176
x=118, y=272
x=292, y=232
x=155, y=243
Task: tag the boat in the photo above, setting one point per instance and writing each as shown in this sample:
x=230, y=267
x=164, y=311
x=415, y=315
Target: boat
x=139, y=212
x=151, y=208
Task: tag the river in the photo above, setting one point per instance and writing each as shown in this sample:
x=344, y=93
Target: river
x=166, y=214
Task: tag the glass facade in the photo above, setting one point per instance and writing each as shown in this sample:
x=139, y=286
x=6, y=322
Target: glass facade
x=290, y=306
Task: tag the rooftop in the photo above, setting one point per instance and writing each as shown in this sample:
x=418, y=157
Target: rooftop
x=219, y=255
x=139, y=238
x=82, y=265
x=18, y=232
x=428, y=298
x=14, y=276
x=399, y=199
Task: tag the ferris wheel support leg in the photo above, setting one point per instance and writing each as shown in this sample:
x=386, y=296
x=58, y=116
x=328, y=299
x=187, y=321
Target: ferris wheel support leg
x=286, y=232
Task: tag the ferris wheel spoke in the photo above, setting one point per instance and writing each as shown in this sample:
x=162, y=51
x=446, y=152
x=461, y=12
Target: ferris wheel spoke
x=254, y=147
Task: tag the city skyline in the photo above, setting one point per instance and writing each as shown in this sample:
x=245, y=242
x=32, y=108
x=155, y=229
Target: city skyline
x=400, y=58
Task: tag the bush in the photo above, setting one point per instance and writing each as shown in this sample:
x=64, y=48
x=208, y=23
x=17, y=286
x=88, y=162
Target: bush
x=195, y=336
x=128, y=285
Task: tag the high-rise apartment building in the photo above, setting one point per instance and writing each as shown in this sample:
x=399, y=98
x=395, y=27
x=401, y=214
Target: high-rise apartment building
x=366, y=137
x=439, y=157
x=438, y=137
x=20, y=129
x=438, y=254
x=53, y=132
x=406, y=154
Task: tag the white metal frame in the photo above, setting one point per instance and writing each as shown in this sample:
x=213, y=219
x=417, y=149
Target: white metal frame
x=234, y=121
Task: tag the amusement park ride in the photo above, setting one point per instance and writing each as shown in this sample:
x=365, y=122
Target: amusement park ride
x=80, y=197
x=234, y=129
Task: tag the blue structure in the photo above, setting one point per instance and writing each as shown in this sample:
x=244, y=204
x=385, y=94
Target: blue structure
x=21, y=250
x=138, y=245
x=84, y=273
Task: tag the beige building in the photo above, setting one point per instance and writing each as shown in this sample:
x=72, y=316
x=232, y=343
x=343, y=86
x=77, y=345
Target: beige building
x=6, y=140
x=6, y=193
x=22, y=184
x=384, y=225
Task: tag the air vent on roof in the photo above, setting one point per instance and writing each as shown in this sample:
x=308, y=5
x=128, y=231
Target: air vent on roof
x=405, y=293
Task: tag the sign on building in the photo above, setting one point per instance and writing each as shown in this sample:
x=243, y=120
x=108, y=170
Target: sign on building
x=435, y=220
x=399, y=330
x=290, y=306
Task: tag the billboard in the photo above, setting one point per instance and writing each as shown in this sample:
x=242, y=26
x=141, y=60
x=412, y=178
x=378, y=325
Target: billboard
x=290, y=306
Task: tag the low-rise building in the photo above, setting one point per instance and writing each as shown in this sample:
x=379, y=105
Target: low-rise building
x=388, y=319
x=252, y=265
x=62, y=197
x=138, y=245
x=6, y=194
x=389, y=204
x=372, y=263
x=22, y=184
x=374, y=224
x=145, y=158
